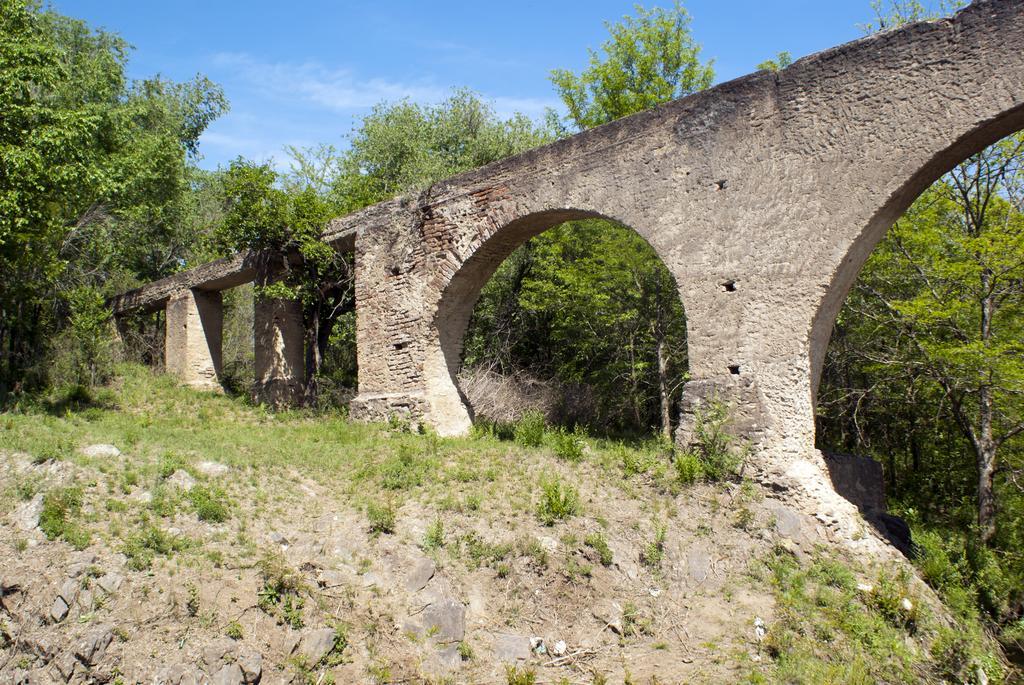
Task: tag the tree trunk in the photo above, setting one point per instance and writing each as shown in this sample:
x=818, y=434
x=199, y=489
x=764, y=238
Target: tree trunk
x=986, y=444
x=663, y=390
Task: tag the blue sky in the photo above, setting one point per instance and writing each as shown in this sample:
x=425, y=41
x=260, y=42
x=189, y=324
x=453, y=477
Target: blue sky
x=302, y=73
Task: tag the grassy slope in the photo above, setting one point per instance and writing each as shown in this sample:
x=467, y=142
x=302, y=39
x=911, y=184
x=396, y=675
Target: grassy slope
x=682, y=571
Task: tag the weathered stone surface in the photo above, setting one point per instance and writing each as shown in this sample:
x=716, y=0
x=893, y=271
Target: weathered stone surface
x=180, y=674
x=316, y=644
x=212, y=469
x=101, y=451
x=92, y=647
x=251, y=664
x=110, y=583
x=698, y=564
x=280, y=360
x=230, y=674
x=445, y=620
x=511, y=648
x=181, y=480
x=26, y=516
x=217, y=652
x=420, y=575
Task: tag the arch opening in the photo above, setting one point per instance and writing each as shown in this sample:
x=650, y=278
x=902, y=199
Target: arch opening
x=917, y=355
x=570, y=313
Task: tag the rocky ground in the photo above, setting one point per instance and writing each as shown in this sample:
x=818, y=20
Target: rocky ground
x=418, y=561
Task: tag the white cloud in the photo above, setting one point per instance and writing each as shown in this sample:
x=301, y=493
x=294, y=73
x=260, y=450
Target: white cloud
x=337, y=89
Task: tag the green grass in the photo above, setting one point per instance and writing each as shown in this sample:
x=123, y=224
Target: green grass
x=62, y=508
x=211, y=504
x=558, y=501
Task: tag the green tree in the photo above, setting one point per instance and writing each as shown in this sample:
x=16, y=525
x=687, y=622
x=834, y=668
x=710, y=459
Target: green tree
x=92, y=189
x=649, y=59
x=777, y=63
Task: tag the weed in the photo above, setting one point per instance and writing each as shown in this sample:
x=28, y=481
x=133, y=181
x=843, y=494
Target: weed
x=654, y=551
x=434, y=538
x=513, y=676
x=279, y=595
x=234, y=630
x=483, y=553
x=143, y=547
x=574, y=569
x=404, y=470
x=61, y=507
x=558, y=501
x=744, y=518
x=528, y=546
x=688, y=468
x=635, y=623
x=529, y=429
x=211, y=504
x=465, y=651
x=382, y=517
x=599, y=544
x=192, y=603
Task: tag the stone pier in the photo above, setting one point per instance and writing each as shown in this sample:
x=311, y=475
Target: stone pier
x=192, y=344
x=280, y=353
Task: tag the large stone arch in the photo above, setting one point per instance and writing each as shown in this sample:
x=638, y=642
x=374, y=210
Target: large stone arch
x=448, y=407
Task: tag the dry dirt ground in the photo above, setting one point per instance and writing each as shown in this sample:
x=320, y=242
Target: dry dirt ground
x=258, y=550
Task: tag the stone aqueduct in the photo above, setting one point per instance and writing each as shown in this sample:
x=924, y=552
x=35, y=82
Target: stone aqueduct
x=763, y=196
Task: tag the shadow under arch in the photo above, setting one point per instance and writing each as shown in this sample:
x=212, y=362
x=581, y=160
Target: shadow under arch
x=463, y=290
x=985, y=134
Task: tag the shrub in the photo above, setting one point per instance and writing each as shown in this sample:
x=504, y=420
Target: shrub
x=210, y=504
x=688, y=468
x=143, y=547
x=279, y=594
x=558, y=501
x=529, y=429
x=720, y=457
x=513, y=676
x=569, y=445
x=653, y=553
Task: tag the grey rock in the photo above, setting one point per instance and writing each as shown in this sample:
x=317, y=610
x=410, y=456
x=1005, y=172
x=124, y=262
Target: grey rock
x=217, y=652
x=278, y=539
x=316, y=644
x=59, y=610
x=66, y=665
x=92, y=647
x=212, y=469
x=251, y=664
x=420, y=575
x=181, y=480
x=110, y=583
x=180, y=674
x=445, y=620
x=80, y=563
x=69, y=590
x=610, y=614
x=142, y=497
x=788, y=522
x=100, y=451
x=26, y=516
x=698, y=564
x=511, y=648
x=231, y=674
x=85, y=600
x=42, y=647
x=328, y=578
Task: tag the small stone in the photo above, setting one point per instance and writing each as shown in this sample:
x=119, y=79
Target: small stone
x=906, y=605
x=760, y=630
x=181, y=480
x=101, y=451
x=548, y=544
x=866, y=588
x=212, y=469
x=110, y=583
x=559, y=648
x=85, y=600
x=537, y=645
x=511, y=648
x=278, y=539
x=251, y=664
x=231, y=674
x=698, y=564
x=43, y=647
x=328, y=578
x=610, y=614
x=59, y=610
x=90, y=650
x=142, y=497
x=26, y=517
x=420, y=575
x=316, y=644
x=445, y=619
